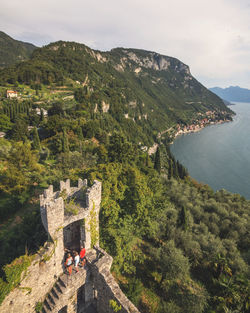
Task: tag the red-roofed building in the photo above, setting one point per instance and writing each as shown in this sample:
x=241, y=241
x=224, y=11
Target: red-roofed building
x=11, y=94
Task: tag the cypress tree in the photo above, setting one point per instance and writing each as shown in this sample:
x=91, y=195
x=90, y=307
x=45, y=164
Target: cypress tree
x=147, y=160
x=65, y=143
x=41, y=115
x=183, y=222
x=16, y=108
x=182, y=172
x=170, y=168
x=157, y=165
x=7, y=111
x=79, y=133
x=36, y=145
x=175, y=169
x=185, y=172
x=12, y=113
x=80, y=137
x=179, y=170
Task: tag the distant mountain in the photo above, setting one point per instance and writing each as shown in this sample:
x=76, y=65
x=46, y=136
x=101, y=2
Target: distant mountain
x=145, y=86
x=13, y=51
x=232, y=93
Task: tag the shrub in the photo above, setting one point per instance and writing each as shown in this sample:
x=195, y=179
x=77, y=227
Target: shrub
x=13, y=273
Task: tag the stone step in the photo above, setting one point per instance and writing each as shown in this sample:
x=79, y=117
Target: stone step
x=58, y=288
x=63, y=281
x=51, y=301
x=47, y=305
x=54, y=293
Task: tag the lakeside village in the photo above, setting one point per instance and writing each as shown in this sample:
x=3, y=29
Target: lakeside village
x=203, y=120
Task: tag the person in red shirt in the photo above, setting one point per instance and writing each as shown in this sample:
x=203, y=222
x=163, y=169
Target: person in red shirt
x=82, y=256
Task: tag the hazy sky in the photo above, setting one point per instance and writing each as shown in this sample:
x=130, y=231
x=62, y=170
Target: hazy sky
x=212, y=37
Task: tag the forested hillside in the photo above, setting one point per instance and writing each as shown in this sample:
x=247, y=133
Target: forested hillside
x=13, y=51
x=177, y=245
x=155, y=90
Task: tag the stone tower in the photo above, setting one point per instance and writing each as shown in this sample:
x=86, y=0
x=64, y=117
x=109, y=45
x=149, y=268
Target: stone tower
x=72, y=213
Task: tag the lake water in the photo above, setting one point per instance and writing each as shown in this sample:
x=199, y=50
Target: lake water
x=219, y=155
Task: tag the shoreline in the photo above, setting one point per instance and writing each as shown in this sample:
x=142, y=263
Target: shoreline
x=197, y=128
x=205, y=166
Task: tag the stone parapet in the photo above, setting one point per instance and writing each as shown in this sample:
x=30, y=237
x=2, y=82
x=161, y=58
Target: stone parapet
x=105, y=284
x=39, y=278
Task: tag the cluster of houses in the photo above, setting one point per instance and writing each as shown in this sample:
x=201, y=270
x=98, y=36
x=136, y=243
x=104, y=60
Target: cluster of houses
x=211, y=118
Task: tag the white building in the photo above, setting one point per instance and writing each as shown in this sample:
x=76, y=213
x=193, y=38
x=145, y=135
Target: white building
x=11, y=94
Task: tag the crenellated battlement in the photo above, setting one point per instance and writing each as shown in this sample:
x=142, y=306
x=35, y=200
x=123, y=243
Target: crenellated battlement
x=68, y=205
x=65, y=187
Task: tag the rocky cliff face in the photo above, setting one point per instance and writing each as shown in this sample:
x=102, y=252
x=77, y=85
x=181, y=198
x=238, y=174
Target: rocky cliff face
x=149, y=60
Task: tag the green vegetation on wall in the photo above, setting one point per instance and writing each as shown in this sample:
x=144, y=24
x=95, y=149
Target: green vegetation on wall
x=14, y=272
x=93, y=226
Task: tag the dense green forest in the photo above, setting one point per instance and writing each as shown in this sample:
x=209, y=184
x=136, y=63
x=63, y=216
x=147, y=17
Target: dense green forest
x=13, y=51
x=177, y=245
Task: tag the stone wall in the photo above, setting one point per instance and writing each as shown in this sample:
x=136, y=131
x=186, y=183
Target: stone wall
x=94, y=284
x=47, y=265
x=37, y=281
x=105, y=285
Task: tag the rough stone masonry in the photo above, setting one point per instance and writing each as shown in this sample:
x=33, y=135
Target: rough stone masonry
x=71, y=218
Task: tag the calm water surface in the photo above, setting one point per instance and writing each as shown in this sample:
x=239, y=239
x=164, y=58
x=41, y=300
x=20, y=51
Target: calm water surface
x=219, y=155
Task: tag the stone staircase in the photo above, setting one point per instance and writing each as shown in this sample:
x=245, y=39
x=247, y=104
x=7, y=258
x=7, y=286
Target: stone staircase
x=55, y=298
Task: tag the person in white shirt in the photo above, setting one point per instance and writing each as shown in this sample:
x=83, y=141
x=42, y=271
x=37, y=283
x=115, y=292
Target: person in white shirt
x=76, y=260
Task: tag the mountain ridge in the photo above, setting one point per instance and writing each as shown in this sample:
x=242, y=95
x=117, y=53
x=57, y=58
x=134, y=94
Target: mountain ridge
x=232, y=93
x=13, y=51
x=134, y=81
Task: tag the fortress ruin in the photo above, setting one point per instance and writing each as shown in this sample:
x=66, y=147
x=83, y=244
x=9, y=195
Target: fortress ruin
x=71, y=218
